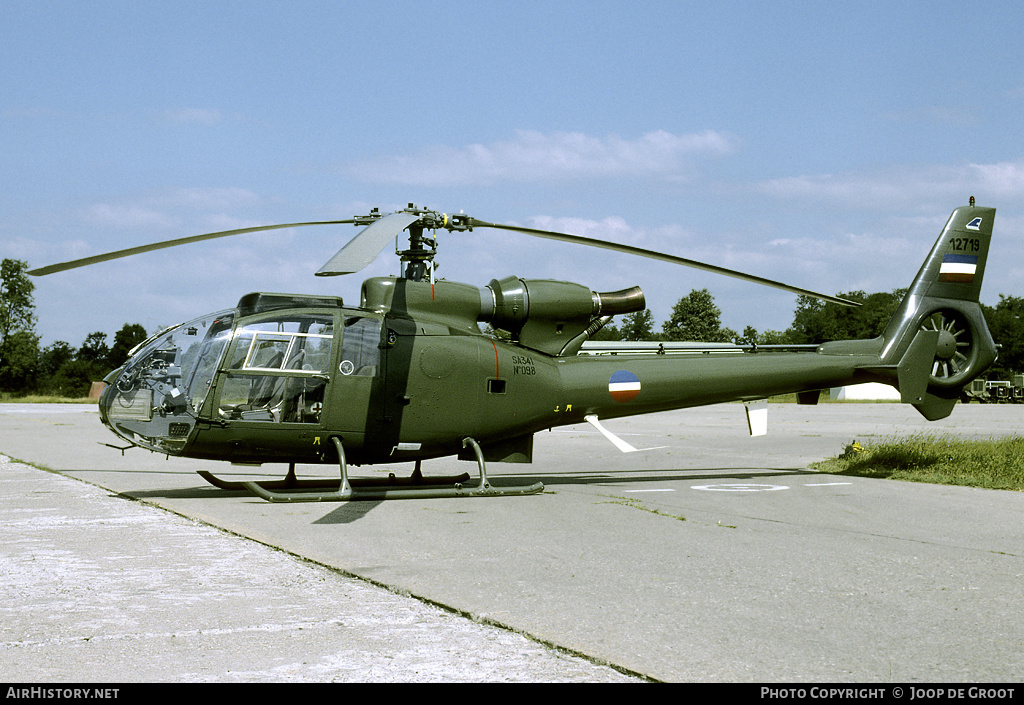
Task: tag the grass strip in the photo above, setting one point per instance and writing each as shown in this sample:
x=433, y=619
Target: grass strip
x=7, y=398
x=993, y=463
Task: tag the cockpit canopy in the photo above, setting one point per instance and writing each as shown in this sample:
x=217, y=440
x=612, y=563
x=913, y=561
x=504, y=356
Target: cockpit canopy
x=153, y=399
x=269, y=361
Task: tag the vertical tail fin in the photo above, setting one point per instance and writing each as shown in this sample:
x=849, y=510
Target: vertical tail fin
x=937, y=339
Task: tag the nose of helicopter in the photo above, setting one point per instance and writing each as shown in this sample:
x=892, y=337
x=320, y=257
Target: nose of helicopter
x=152, y=400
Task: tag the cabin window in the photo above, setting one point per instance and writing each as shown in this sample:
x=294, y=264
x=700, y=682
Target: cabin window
x=277, y=370
x=299, y=343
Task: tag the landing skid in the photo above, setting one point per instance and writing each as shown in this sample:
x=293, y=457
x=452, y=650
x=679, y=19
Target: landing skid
x=291, y=483
x=416, y=487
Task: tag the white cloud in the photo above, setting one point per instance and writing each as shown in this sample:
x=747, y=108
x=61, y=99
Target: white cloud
x=538, y=156
x=1002, y=179
x=201, y=116
x=112, y=216
x=613, y=228
x=208, y=198
x=960, y=116
x=923, y=185
x=170, y=209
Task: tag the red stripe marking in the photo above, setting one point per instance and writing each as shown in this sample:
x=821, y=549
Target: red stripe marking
x=495, y=358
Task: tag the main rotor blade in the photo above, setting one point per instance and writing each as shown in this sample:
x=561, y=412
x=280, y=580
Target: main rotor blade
x=640, y=252
x=367, y=244
x=173, y=243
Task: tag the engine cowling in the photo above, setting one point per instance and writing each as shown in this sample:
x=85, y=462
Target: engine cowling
x=553, y=317
x=547, y=315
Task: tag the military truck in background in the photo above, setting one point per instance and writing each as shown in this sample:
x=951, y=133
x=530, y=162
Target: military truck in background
x=994, y=391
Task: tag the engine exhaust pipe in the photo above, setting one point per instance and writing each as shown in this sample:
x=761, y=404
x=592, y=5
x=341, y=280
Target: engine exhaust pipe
x=614, y=303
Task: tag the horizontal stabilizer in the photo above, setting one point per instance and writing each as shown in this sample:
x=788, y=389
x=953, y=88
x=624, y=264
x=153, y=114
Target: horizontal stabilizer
x=757, y=417
x=915, y=367
x=934, y=408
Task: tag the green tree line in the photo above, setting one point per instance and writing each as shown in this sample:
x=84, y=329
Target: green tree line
x=59, y=369
x=696, y=318
x=64, y=370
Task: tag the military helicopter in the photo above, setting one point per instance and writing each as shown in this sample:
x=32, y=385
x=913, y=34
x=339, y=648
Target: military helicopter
x=409, y=375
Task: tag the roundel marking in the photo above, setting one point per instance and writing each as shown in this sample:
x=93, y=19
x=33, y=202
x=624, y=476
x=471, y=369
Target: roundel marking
x=624, y=386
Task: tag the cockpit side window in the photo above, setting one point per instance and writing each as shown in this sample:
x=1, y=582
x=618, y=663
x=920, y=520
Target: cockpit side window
x=360, y=346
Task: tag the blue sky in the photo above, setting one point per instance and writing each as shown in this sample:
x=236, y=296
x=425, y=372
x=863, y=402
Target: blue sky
x=820, y=144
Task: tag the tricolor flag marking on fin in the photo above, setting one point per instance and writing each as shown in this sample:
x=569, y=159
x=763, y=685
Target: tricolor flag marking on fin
x=958, y=268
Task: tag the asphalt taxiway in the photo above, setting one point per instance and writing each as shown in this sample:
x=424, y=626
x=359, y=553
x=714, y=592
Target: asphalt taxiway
x=707, y=556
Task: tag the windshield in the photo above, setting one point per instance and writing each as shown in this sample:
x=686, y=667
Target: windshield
x=153, y=400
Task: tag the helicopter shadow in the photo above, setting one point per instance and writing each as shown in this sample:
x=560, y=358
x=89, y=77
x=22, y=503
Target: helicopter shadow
x=349, y=512
x=352, y=511
x=186, y=493
x=196, y=491
x=650, y=476
x=346, y=513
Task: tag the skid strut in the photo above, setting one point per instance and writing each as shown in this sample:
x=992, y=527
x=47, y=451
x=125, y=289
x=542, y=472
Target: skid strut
x=418, y=487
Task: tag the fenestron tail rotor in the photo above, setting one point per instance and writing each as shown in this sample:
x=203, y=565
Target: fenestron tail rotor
x=380, y=229
x=954, y=351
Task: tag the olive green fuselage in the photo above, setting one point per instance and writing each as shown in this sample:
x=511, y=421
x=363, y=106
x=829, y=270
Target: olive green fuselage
x=434, y=390
x=409, y=375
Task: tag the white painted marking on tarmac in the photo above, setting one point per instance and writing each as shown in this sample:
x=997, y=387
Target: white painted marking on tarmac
x=740, y=487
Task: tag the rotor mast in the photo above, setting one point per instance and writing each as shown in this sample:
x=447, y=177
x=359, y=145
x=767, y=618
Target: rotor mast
x=420, y=255
x=419, y=258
